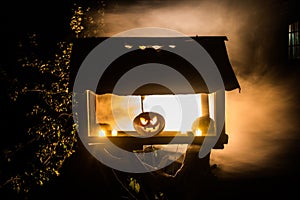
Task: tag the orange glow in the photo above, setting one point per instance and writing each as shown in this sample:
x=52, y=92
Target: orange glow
x=114, y=132
x=143, y=121
x=102, y=133
x=128, y=46
x=156, y=47
x=198, y=132
x=179, y=111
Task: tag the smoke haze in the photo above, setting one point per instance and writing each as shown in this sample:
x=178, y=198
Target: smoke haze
x=249, y=25
x=262, y=119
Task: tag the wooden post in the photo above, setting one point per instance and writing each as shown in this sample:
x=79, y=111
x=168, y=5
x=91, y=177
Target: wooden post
x=204, y=104
x=142, y=102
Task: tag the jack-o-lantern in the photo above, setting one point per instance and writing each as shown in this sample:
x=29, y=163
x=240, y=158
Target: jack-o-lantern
x=149, y=123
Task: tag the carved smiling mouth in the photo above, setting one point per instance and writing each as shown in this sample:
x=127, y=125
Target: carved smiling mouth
x=151, y=129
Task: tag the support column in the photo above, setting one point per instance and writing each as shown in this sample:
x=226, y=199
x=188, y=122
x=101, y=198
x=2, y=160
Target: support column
x=204, y=104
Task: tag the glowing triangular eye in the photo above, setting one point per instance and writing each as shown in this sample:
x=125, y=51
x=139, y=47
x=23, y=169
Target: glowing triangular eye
x=154, y=120
x=143, y=121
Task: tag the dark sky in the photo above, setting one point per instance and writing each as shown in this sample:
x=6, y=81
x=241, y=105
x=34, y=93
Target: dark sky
x=256, y=26
x=22, y=16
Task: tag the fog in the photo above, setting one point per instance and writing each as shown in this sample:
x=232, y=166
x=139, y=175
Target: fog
x=262, y=124
x=261, y=121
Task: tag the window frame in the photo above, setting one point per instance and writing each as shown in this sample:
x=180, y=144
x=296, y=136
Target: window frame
x=294, y=41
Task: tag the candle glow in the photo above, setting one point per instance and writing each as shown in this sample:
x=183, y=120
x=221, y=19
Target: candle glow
x=114, y=132
x=102, y=133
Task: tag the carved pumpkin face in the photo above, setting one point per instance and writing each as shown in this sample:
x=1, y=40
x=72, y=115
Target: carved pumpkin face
x=149, y=123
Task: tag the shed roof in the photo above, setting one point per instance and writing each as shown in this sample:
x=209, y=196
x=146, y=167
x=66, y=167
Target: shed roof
x=214, y=45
